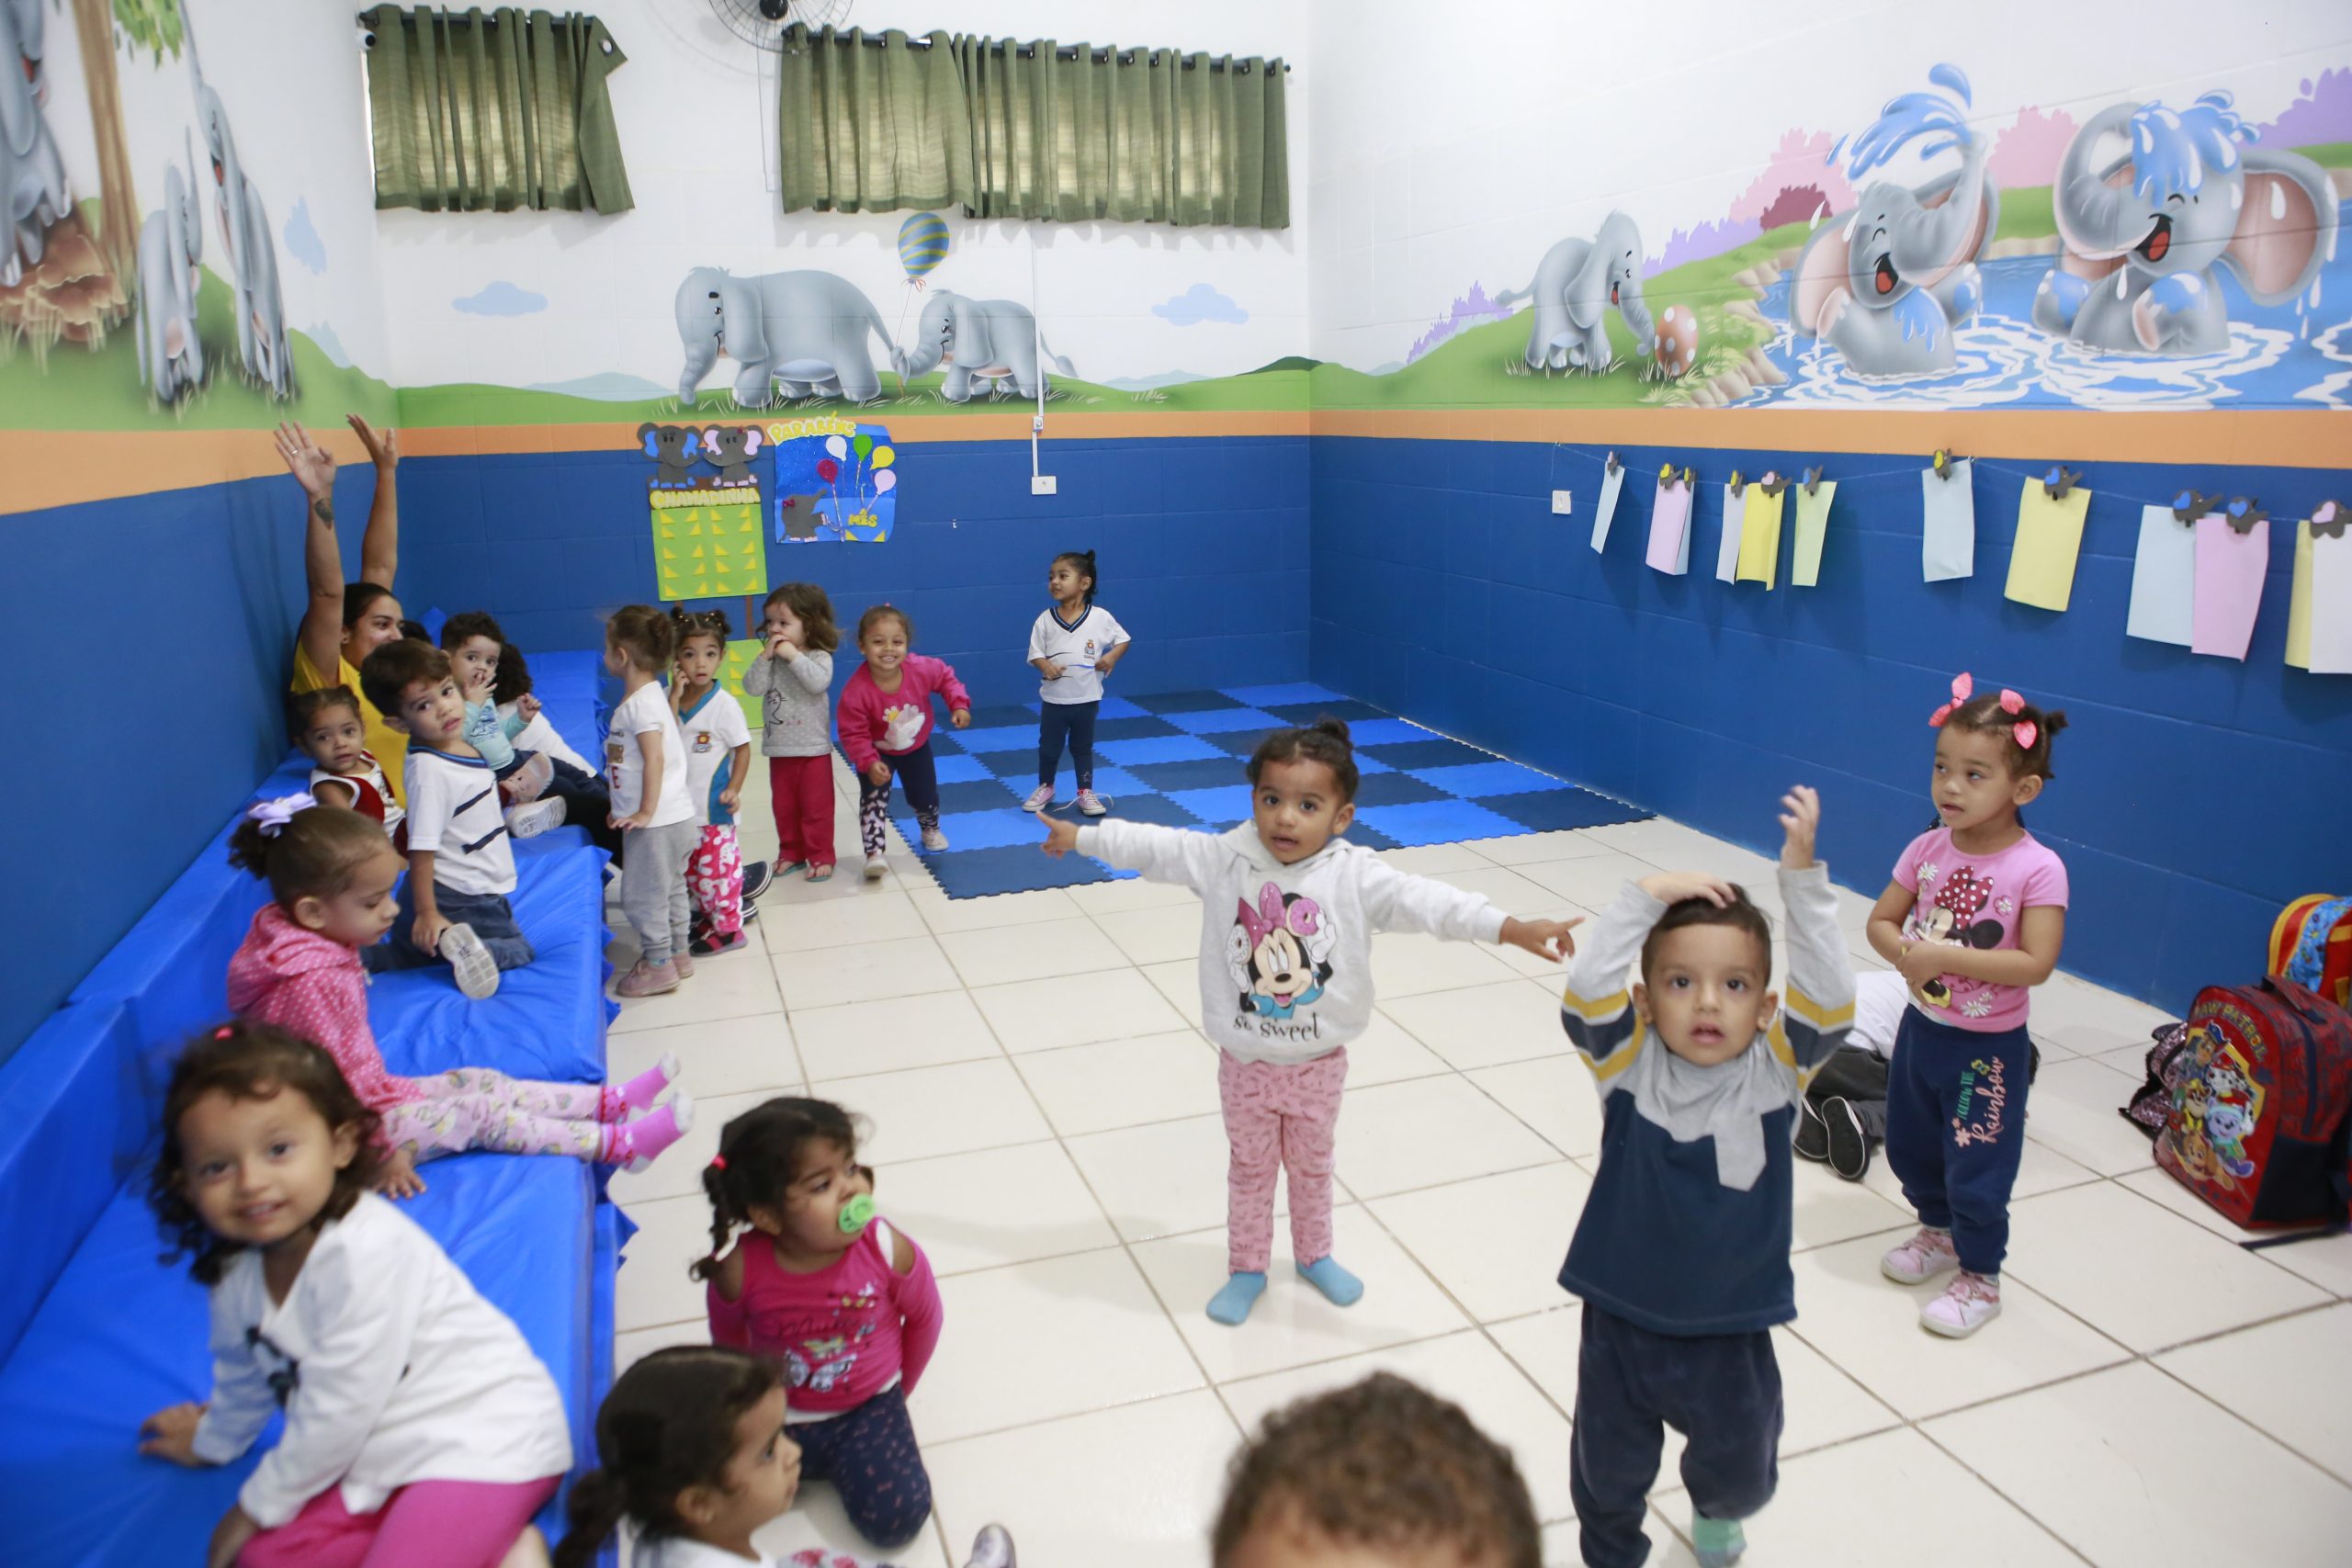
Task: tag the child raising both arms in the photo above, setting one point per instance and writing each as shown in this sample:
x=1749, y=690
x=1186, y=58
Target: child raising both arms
x=1074, y=645
x=646, y=762
x=791, y=678
x=886, y=727
x=1975, y=916
x=329, y=730
x=1289, y=911
x=719, y=754
x=420, y=1429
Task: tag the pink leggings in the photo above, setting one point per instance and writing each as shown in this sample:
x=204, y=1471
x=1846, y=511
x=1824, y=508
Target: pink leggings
x=1279, y=1117
x=714, y=878
x=431, y=1524
x=474, y=1108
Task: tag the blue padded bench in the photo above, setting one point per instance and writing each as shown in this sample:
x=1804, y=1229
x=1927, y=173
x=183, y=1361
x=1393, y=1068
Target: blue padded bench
x=96, y=1331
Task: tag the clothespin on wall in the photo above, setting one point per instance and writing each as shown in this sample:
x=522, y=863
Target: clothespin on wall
x=1738, y=485
x=2243, y=512
x=2059, y=480
x=1943, y=459
x=1772, y=483
x=1613, y=465
x=2328, y=520
x=1667, y=478
x=2189, y=506
x=1813, y=480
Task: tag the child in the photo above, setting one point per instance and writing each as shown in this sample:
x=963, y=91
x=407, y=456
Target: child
x=1289, y=910
x=1681, y=1256
x=1074, y=645
x=646, y=761
x=460, y=866
x=515, y=742
x=791, y=676
x=419, y=1427
x=1380, y=1471
x=886, y=727
x=328, y=727
x=698, y=1456
x=1975, y=915
x=331, y=876
x=846, y=1303
x=719, y=756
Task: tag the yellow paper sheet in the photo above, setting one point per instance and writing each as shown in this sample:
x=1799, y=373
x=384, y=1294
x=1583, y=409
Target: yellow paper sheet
x=2298, y=603
x=1760, y=537
x=2050, y=536
x=1812, y=524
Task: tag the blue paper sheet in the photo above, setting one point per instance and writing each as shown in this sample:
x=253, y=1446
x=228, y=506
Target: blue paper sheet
x=1947, y=539
x=2163, y=578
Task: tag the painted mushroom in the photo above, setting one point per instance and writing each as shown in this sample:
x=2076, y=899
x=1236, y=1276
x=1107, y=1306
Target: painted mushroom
x=1678, y=340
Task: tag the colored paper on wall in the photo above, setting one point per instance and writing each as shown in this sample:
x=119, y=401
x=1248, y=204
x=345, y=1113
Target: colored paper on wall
x=1813, y=527
x=836, y=481
x=2299, y=602
x=2050, y=538
x=1760, y=537
x=1670, y=549
x=1947, y=538
x=2163, y=578
x=2330, y=601
x=707, y=545
x=1727, y=537
x=1605, y=509
x=2228, y=597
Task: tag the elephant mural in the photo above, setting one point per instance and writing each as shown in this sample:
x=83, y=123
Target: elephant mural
x=989, y=341
x=1575, y=283
x=171, y=357
x=246, y=233
x=2156, y=199
x=33, y=193
x=802, y=332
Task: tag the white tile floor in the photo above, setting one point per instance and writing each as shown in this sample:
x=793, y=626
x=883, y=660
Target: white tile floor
x=1043, y=1115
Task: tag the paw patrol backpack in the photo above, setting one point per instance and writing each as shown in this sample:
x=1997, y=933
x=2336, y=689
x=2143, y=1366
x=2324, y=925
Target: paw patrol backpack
x=2262, y=1104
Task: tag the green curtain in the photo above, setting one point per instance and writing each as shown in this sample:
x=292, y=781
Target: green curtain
x=498, y=109
x=867, y=129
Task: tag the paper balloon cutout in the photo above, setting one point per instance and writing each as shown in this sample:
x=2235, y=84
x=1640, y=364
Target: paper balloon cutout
x=885, y=481
x=885, y=455
x=827, y=469
x=837, y=447
x=923, y=244
x=863, y=444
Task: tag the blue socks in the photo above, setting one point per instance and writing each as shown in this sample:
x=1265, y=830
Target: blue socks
x=1340, y=1287
x=1717, y=1543
x=1231, y=1305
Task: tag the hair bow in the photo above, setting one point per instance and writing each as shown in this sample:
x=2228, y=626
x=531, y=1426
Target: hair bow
x=1963, y=687
x=1272, y=915
x=2025, y=730
x=273, y=815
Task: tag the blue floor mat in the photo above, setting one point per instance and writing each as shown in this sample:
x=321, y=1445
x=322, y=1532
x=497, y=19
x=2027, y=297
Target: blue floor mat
x=1176, y=758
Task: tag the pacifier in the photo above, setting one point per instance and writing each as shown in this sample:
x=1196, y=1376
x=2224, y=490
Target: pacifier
x=857, y=1213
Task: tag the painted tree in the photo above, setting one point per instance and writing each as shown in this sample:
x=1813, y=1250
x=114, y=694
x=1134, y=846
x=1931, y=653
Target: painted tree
x=152, y=25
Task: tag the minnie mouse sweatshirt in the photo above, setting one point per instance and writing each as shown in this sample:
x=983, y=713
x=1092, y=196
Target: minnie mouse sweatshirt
x=1286, y=950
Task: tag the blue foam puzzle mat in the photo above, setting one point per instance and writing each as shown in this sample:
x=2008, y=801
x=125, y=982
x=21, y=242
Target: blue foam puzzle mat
x=1396, y=789
x=1184, y=702
x=1346, y=709
x=1218, y=721
x=1553, y=810
x=1432, y=752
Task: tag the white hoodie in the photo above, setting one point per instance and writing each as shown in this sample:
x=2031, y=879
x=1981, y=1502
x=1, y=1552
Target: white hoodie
x=1286, y=950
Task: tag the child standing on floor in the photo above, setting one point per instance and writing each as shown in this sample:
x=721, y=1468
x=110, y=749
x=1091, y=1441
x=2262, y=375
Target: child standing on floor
x=420, y=1429
x=1074, y=645
x=886, y=727
x=328, y=727
x=791, y=677
x=719, y=753
x=331, y=876
x=821, y=1284
x=645, y=767
x=1681, y=1256
x=1289, y=909
x=1975, y=916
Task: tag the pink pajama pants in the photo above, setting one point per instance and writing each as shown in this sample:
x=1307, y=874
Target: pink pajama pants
x=714, y=878
x=1279, y=1117
x=474, y=1108
x=429, y=1524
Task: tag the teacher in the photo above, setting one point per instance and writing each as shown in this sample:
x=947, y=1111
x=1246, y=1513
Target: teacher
x=342, y=622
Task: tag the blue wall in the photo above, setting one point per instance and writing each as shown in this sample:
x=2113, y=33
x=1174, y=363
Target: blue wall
x=2193, y=796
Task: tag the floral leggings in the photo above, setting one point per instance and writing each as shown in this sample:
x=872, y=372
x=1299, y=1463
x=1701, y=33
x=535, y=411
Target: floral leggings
x=714, y=878
x=474, y=1108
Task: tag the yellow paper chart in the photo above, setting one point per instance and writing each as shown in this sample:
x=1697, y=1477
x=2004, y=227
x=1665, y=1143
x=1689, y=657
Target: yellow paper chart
x=738, y=659
x=2298, y=603
x=705, y=548
x=1813, y=525
x=1760, y=537
x=2050, y=537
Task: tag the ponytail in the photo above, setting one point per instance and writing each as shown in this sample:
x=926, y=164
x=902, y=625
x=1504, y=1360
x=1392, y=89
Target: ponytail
x=1083, y=562
x=758, y=1153
x=304, y=849
x=1325, y=741
x=592, y=1517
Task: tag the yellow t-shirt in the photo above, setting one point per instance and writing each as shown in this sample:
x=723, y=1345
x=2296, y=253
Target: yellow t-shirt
x=390, y=746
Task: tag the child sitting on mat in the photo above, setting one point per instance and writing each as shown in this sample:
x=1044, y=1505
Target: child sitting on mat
x=509, y=739
x=328, y=727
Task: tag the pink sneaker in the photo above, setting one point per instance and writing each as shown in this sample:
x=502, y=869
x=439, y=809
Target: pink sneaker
x=641, y=1142
x=1968, y=1303
x=1920, y=1260
x=683, y=964
x=648, y=979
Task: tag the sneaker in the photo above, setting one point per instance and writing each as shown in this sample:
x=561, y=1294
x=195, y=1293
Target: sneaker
x=747, y=911
x=756, y=877
x=992, y=1548
x=933, y=840
x=1968, y=1303
x=875, y=866
x=1849, y=1146
x=530, y=781
x=530, y=822
x=1040, y=798
x=1920, y=1260
x=1811, y=1141
x=476, y=970
x=711, y=944
x=683, y=963
x=1093, y=805
x=647, y=980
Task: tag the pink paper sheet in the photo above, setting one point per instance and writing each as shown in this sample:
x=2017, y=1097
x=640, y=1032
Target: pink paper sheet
x=2230, y=568
x=1669, y=549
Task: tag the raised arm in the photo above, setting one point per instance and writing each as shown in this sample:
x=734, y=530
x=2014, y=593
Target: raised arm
x=312, y=466
x=379, y=546
x=1817, y=1009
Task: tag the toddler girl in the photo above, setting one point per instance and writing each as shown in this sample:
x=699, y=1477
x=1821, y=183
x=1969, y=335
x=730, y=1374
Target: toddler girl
x=886, y=727
x=719, y=751
x=331, y=875
x=1975, y=915
x=646, y=761
x=1073, y=645
x=791, y=676
x=819, y=1284
x=1289, y=911
x=419, y=1427
x=328, y=727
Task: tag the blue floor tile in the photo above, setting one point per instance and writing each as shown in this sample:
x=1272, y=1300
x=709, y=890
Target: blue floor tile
x=1241, y=743
x=1553, y=809
x=979, y=873
x=959, y=768
x=1182, y=701
x=1433, y=753
x=1223, y=720
x=1388, y=732
x=1437, y=822
x=1170, y=778
x=1346, y=709
x=1005, y=716
x=1143, y=726
x=1295, y=691
x=988, y=795
x=1230, y=804
x=1478, y=781
x=1000, y=738
x=1143, y=808
x=1156, y=748
x=1396, y=789
x=968, y=831
x=1120, y=707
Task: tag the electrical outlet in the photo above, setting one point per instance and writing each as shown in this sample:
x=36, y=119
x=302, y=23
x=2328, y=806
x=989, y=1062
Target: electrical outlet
x=1043, y=484
x=1560, y=500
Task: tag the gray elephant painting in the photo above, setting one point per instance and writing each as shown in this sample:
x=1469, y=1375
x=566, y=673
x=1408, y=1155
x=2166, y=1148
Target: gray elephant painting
x=801, y=331
x=33, y=193
x=987, y=341
x=2151, y=200
x=246, y=233
x=1889, y=286
x=171, y=243
x=1577, y=284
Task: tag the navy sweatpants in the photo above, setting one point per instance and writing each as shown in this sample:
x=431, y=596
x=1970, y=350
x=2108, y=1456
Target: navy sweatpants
x=1075, y=722
x=1955, y=1129
x=1722, y=1392
x=869, y=1455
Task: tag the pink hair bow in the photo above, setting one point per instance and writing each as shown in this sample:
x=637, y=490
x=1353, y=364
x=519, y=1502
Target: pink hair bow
x=1963, y=687
x=1272, y=915
x=2024, y=730
x=273, y=815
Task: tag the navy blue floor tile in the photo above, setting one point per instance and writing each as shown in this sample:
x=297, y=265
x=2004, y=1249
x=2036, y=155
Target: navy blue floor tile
x=999, y=716
x=1370, y=837
x=985, y=796
x=1144, y=807
x=1012, y=764
x=1394, y=789
x=1346, y=709
x=1546, y=811
x=1170, y=778
x=1437, y=753
x=1182, y=701
x=1242, y=743
x=1132, y=729
x=1014, y=868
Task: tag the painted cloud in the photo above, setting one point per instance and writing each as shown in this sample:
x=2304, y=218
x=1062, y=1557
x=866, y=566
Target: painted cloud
x=501, y=299
x=1197, y=304
x=302, y=241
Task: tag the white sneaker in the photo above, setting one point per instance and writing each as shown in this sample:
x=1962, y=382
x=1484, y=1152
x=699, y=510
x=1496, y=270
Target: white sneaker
x=1926, y=1254
x=530, y=781
x=933, y=840
x=476, y=970
x=1093, y=805
x=1968, y=1303
x=1039, y=798
x=530, y=822
x=875, y=866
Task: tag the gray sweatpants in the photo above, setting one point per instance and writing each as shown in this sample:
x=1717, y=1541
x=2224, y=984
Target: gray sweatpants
x=654, y=886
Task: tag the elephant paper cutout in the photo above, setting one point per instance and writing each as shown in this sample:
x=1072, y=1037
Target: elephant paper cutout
x=987, y=341
x=33, y=193
x=252, y=249
x=675, y=447
x=1577, y=284
x=171, y=243
x=2150, y=201
x=729, y=448
x=803, y=332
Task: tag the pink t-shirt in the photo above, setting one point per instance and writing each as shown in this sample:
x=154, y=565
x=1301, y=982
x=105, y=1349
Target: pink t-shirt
x=1975, y=901
x=843, y=1334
